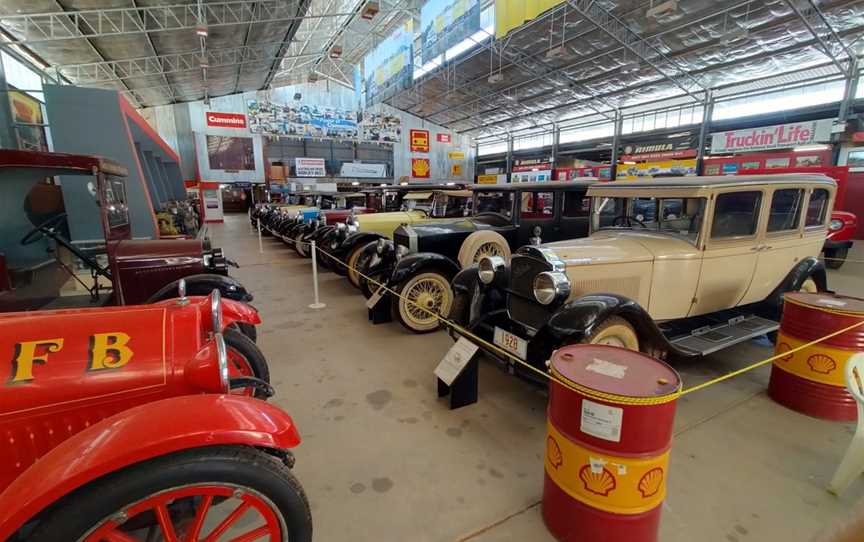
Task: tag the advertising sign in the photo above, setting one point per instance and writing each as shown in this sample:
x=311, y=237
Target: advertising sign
x=310, y=167
x=419, y=140
x=510, y=14
x=456, y=155
x=390, y=67
x=444, y=23
x=357, y=169
x=420, y=168
x=27, y=115
x=381, y=127
x=301, y=120
x=455, y=170
x=444, y=138
x=226, y=120
x=658, y=151
x=650, y=170
x=780, y=136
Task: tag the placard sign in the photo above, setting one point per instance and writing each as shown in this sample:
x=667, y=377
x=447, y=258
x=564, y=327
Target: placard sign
x=310, y=167
x=780, y=136
x=444, y=138
x=226, y=120
x=420, y=168
x=419, y=140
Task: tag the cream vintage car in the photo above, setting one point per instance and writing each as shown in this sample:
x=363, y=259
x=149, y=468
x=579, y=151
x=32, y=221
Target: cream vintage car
x=680, y=267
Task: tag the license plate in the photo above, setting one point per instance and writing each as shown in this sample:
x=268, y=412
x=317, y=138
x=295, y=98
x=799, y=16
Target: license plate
x=511, y=343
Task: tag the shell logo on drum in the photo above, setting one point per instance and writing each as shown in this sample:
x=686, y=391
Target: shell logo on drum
x=553, y=452
x=599, y=483
x=822, y=364
x=651, y=482
x=784, y=347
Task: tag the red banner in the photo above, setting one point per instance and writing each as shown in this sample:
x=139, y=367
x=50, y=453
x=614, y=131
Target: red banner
x=419, y=140
x=444, y=138
x=420, y=168
x=226, y=120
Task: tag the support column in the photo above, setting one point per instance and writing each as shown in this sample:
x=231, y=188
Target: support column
x=707, y=113
x=616, y=142
x=849, y=91
x=556, y=138
x=509, y=156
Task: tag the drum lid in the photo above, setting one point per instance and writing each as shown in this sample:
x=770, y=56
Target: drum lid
x=834, y=302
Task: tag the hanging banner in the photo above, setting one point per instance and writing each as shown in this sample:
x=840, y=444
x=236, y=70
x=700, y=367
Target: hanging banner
x=420, y=168
x=301, y=120
x=419, y=140
x=780, y=136
x=390, y=66
x=488, y=179
x=652, y=170
x=444, y=138
x=445, y=23
x=381, y=127
x=357, y=169
x=310, y=167
x=510, y=14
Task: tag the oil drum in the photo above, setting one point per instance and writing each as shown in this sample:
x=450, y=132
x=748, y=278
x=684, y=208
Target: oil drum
x=609, y=431
x=812, y=380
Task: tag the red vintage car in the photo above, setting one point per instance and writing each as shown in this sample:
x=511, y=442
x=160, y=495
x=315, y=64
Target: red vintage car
x=118, y=425
x=36, y=254
x=841, y=230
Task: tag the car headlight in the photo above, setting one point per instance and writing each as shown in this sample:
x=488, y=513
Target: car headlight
x=835, y=225
x=402, y=250
x=352, y=228
x=488, y=267
x=381, y=246
x=340, y=226
x=551, y=285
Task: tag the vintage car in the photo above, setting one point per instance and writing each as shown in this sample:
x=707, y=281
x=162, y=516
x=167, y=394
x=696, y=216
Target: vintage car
x=705, y=271
x=35, y=261
x=118, y=424
x=841, y=231
x=418, y=205
x=423, y=258
x=335, y=209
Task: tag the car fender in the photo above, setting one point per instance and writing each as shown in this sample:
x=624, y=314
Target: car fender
x=320, y=233
x=357, y=239
x=810, y=267
x=413, y=264
x=380, y=263
x=139, y=434
x=203, y=284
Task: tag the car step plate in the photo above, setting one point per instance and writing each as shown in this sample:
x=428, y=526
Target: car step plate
x=710, y=339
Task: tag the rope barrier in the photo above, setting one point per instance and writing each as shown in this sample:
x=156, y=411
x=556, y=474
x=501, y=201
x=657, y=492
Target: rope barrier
x=573, y=386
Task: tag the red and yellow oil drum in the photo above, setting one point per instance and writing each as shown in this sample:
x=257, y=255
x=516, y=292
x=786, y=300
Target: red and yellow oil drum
x=812, y=380
x=607, y=446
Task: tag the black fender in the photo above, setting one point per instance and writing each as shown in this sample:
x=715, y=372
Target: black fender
x=320, y=233
x=810, y=267
x=203, y=284
x=578, y=318
x=472, y=299
x=354, y=240
x=420, y=262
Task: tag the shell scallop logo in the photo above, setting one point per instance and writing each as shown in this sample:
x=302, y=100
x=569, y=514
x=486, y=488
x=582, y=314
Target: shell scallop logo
x=553, y=452
x=784, y=347
x=599, y=483
x=651, y=482
x=822, y=364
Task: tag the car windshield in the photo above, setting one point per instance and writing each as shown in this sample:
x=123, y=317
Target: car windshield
x=497, y=202
x=677, y=216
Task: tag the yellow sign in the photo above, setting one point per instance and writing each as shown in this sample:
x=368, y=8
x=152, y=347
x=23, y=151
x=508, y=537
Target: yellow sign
x=456, y=155
x=510, y=14
x=650, y=170
x=455, y=170
x=487, y=179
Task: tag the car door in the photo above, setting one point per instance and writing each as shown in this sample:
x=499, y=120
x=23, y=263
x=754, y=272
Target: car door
x=574, y=215
x=536, y=210
x=779, y=252
x=731, y=250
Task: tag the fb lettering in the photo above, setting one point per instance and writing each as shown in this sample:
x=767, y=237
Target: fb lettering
x=29, y=353
x=109, y=351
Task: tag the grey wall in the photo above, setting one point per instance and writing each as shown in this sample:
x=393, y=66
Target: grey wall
x=90, y=121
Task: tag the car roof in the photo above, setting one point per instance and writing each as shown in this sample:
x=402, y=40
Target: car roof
x=62, y=163
x=721, y=181
x=581, y=182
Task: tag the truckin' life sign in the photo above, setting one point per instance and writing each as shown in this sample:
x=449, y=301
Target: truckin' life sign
x=780, y=136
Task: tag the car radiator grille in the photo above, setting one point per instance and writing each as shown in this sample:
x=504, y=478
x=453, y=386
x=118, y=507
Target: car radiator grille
x=401, y=239
x=521, y=305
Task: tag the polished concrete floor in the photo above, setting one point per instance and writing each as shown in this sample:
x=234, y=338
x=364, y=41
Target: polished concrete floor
x=383, y=459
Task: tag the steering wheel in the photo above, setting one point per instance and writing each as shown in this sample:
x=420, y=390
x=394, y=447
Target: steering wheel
x=48, y=229
x=628, y=221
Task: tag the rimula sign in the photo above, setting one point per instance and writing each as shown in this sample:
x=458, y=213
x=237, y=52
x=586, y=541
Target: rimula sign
x=781, y=136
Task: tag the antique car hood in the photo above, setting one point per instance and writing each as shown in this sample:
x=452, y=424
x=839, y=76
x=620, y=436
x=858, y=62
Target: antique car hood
x=385, y=223
x=624, y=246
x=159, y=250
x=444, y=227
x=341, y=215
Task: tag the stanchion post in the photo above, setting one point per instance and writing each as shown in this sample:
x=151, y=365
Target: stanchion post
x=260, y=244
x=317, y=304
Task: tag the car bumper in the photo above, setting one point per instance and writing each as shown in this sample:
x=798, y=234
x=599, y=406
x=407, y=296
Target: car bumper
x=831, y=244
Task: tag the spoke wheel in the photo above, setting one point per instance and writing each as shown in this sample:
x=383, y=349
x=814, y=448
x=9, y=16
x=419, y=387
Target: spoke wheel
x=809, y=287
x=423, y=297
x=614, y=331
x=245, y=359
x=487, y=249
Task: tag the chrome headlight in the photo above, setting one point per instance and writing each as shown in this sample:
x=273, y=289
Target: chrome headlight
x=216, y=311
x=835, y=225
x=381, y=246
x=402, y=250
x=488, y=267
x=222, y=355
x=551, y=285
x=340, y=226
x=352, y=228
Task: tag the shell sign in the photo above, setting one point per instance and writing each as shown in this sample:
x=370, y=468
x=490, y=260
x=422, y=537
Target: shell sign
x=419, y=140
x=420, y=168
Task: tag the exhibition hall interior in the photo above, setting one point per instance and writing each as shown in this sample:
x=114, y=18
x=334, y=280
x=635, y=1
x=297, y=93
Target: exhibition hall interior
x=431, y=271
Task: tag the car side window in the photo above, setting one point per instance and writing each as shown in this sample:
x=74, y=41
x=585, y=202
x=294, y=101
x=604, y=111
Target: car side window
x=576, y=205
x=736, y=214
x=817, y=209
x=785, y=210
x=537, y=205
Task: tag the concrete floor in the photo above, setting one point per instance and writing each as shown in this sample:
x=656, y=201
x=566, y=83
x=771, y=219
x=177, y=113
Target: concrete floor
x=383, y=459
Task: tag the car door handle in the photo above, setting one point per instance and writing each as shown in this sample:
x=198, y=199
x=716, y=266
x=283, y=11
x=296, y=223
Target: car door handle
x=766, y=247
x=756, y=249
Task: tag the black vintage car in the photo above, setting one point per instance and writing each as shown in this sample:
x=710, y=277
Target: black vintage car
x=422, y=258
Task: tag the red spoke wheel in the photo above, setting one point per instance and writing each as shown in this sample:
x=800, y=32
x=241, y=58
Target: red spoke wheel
x=218, y=494
x=245, y=359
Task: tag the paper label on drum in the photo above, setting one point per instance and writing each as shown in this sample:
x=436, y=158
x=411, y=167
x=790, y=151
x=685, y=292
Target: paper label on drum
x=601, y=421
x=607, y=368
x=832, y=302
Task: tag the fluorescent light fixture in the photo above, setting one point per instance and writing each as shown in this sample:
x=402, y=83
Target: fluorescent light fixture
x=355, y=183
x=555, y=52
x=449, y=184
x=811, y=148
x=201, y=30
x=403, y=183
x=383, y=184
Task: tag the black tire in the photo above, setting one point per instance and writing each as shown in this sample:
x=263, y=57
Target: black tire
x=362, y=265
x=367, y=288
x=247, y=329
x=241, y=466
x=244, y=346
x=835, y=258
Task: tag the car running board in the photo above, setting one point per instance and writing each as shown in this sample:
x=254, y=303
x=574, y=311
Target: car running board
x=709, y=339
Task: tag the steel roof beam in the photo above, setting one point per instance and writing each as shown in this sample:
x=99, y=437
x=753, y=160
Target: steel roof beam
x=812, y=17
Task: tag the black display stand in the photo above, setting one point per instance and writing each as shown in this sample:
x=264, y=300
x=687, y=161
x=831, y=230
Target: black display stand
x=380, y=313
x=464, y=390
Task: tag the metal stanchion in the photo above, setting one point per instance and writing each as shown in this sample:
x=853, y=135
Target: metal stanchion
x=260, y=244
x=317, y=304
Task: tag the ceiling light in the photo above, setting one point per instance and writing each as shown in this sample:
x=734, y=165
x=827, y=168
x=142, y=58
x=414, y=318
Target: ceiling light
x=370, y=10
x=336, y=51
x=496, y=77
x=201, y=30
x=400, y=184
x=629, y=163
x=355, y=183
x=811, y=148
x=662, y=9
